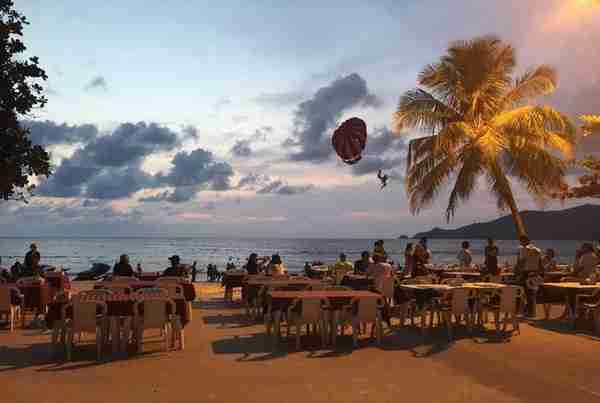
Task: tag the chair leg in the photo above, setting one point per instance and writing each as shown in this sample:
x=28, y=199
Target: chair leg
x=448, y=321
x=515, y=321
x=323, y=332
x=99, y=338
x=167, y=338
x=379, y=329
x=114, y=327
x=11, y=319
x=497, y=321
x=355, y=329
x=69, y=343
x=126, y=333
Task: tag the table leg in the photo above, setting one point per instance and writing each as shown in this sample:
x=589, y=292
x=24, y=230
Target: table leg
x=114, y=328
x=277, y=322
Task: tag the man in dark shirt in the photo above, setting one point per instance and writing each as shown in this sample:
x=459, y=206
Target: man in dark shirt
x=175, y=269
x=361, y=266
x=123, y=268
x=29, y=257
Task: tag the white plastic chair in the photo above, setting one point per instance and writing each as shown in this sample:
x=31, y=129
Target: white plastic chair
x=507, y=306
x=458, y=305
x=363, y=311
x=85, y=320
x=311, y=313
x=175, y=291
x=6, y=306
x=154, y=301
x=31, y=281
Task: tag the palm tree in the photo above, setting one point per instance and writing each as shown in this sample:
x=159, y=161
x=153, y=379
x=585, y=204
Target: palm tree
x=478, y=123
x=591, y=124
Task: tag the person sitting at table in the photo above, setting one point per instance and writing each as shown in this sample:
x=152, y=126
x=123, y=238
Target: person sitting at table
x=491, y=258
x=276, y=267
x=123, y=268
x=15, y=271
x=464, y=256
x=380, y=272
x=341, y=268
x=176, y=269
x=548, y=260
x=379, y=254
x=252, y=265
x=421, y=258
x=361, y=265
x=587, y=262
x=307, y=267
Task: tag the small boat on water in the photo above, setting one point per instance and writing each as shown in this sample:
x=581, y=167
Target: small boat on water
x=97, y=271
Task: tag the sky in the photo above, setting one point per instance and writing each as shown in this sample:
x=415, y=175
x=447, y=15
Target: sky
x=215, y=119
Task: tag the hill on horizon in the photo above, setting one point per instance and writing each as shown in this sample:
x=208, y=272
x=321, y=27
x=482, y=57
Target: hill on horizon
x=577, y=223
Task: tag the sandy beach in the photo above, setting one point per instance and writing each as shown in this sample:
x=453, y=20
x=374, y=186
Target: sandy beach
x=228, y=359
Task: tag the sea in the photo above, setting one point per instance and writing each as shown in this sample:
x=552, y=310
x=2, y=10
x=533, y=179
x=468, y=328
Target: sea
x=78, y=254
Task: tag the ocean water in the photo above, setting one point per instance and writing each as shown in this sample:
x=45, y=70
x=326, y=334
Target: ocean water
x=79, y=254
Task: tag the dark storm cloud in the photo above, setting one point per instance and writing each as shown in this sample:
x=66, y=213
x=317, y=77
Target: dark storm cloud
x=98, y=82
x=47, y=133
x=279, y=187
x=384, y=151
x=128, y=144
x=314, y=117
x=252, y=180
x=118, y=183
x=68, y=179
x=190, y=133
x=241, y=148
x=198, y=167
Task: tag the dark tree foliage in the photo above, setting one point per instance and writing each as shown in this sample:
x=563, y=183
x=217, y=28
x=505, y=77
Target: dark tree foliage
x=20, y=92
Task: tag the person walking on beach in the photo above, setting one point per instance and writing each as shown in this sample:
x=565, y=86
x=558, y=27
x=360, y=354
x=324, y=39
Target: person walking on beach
x=491, y=258
x=465, y=257
x=361, y=265
x=31, y=255
x=123, y=268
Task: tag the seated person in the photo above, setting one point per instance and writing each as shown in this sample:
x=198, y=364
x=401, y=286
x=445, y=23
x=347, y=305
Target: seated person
x=276, y=267
x=123, y=268
x=252, y=265
x=548, y=260
x=587, y=262
x=176, y=269
x=341, y=267
x=380, y=272
x=465, y=257
x=361, y=266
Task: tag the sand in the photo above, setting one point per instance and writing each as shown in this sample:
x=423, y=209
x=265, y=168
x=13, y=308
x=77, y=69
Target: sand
x=228, y=359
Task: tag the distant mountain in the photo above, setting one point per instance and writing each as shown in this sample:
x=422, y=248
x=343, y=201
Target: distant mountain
x=577, y=223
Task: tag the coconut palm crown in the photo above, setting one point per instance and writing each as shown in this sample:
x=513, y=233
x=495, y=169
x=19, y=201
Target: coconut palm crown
x=479, y=123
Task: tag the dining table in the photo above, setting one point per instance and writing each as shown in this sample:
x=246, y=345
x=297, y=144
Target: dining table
x=571, y=290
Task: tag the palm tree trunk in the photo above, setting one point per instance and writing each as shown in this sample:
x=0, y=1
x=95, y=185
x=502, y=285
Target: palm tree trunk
x=512, y=204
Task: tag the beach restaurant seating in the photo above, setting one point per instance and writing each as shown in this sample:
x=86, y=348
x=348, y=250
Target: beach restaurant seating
x=457, y=306
x=363, y=311
x=308, y=311
x=87, y=317
x=507, y=305
x=6, y=305
x=35, y=294
x=154, y=315
x=589, y=305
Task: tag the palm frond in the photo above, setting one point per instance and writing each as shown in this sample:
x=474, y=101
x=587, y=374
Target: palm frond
x=466, y=179
x=591, y=124
x=421, y=110
x=533, y=83
x=423, y=192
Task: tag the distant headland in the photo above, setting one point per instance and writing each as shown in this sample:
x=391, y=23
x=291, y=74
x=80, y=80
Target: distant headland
x=577, y=223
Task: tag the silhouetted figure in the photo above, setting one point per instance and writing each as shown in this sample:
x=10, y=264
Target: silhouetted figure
x=33, y=253
x=175, y=269
x=491, y=258
x=16, y=270
x=139, y=269
x=194, y=272
x=123, y=268
x=252, y=265
x=383, y=178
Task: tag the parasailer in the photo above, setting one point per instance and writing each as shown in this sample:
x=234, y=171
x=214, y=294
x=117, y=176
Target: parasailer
x=350, y=139
x=383, y=178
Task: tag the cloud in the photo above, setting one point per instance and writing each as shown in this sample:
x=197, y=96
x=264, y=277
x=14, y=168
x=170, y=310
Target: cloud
x=197, y=167
x=314, y=117
x=179, y=195
x=384, y=151
x=279, y=187
x=241, y=148
x=118, y=183
x=220, y=103
x=47, y=133
x=190, y=133
x=279, y=99
x=98, y=82
x=252, y=180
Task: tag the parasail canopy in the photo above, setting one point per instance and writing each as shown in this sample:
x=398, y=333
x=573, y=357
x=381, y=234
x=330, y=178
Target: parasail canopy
x=350, y=139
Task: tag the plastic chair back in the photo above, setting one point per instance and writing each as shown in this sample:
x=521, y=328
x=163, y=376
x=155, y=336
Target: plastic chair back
x=460, y=301
x=508, y=298
x=366, y=309
x=171, y=279
x=85, y=315
x=155, y=313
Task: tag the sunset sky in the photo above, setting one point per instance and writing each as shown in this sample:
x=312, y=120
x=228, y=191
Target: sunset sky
x=215, y=118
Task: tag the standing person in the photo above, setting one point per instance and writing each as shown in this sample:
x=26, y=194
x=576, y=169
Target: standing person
x=491, y=258
x=123, y=268
x=341, y=268
x=176, y=269
x=409, y=259
x=379, y=254
x=33, y=253
x=380, y=272
x=586, y=264
x=529, y=264
x=139, y=270
x=361, y=265
x=252, y=265
x=421, y=258
x=307, y=268
x=194, y=272
x=464, y=256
